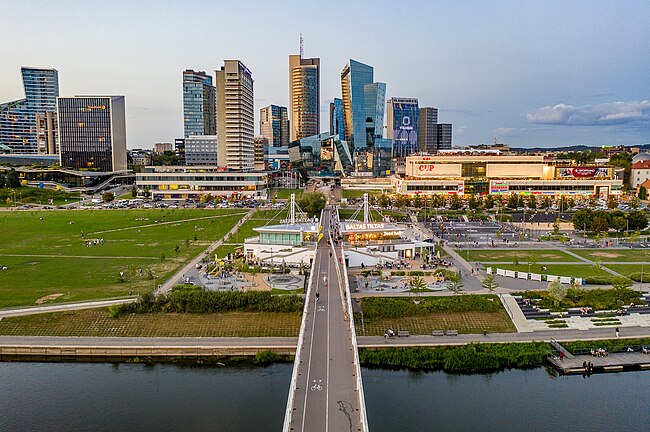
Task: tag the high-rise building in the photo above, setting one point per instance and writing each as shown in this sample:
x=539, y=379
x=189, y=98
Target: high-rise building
x=235, y=116
x=428, y=129
x=363, y=108
x=304, y=96
x=274, y=125
x=402, y=125
x=18, y=118
x=179, y=149
x=201, y=150
x=92, y=132
x=444, y=136
x=47, y=136
x=198, y=104
x=336, y=118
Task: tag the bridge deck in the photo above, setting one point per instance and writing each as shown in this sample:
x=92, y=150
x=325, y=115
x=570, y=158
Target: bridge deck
x=326, y=396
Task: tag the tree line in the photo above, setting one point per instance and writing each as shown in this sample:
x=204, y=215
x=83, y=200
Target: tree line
x=601, y=221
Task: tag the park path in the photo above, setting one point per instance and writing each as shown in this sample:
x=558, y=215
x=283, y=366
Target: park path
x=178, y=276
x=64, y=307
x=608, y=270
x=166, y=223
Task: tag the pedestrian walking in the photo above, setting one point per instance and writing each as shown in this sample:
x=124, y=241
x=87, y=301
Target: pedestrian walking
x=616, y=330
x=317, y=296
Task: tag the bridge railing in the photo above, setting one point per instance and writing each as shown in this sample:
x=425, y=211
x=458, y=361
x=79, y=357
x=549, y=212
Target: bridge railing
x=296, y=363
x=363, y=418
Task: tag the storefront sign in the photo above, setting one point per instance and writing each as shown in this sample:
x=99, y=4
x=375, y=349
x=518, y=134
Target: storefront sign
x=363, y=226
x=498, y=187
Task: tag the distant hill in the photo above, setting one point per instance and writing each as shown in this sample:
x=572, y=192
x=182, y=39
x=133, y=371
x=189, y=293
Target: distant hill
x=576, y=148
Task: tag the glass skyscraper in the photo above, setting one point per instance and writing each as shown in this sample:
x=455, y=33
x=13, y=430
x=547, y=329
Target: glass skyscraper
x=274, y=125
x=363, y=108
x=304, y=96
x=198, y=104
x=402, y=125
x=337, y=118
x=18, y=118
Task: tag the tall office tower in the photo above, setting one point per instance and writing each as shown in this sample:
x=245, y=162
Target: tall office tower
x=198, y=104
x=274, y=125
x=428, y=129
x=304, y=96
x=18, y=118
x=92, y=132
x=235, y=116
x=375, y=103
x=47, y=136
x=201, y=150
x=402, y=125
x=354, y=77
x=444, y=136
x=336, y=118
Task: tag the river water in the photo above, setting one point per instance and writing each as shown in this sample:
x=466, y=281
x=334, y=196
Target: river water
x=166, y=397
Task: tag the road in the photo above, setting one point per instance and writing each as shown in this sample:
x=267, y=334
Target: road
x=326, y=397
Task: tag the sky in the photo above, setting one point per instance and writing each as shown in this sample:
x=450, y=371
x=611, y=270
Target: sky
x=528, y=73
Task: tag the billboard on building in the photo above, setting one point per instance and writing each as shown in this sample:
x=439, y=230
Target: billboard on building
x=498, y=187
x=583, y=172
x=514, y=170
x=431, y=169
x=405, y=126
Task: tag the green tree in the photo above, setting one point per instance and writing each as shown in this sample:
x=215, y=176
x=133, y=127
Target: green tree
x=623, y=160
x=417, y=284
x=620, y=284
x=384, y=201
x=490, y=283
x=643, y=193
x=13, y=181
x=582, y=220
x=600, y=224
x=618, y=223
x=637, y=220
x=489, y=201
x=166, y=158
x=455, y=202
x=108, y=196
x=532, y=202
x=134, y=192
x=556, y=227
x=473, y=203
x=513, y=201
x=312, y=202
x=556, y=291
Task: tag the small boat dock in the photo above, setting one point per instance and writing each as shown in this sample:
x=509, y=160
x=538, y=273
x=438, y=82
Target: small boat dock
x=633, y=357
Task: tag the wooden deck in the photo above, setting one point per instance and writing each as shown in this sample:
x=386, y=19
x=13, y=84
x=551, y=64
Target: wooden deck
x=615, y=362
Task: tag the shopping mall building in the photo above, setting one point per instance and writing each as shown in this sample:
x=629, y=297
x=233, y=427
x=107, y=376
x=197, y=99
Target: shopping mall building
x=486, y=172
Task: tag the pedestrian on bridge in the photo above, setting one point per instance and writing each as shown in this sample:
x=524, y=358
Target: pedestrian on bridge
x=317, y=297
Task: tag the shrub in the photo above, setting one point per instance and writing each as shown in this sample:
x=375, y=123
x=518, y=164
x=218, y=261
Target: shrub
x=398, y=307
x=598, y=299
x=268, y=357
x=192, y=301
x=599, y=280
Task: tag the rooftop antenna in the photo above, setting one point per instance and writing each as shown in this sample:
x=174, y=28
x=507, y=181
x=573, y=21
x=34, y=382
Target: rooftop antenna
x=302, y=48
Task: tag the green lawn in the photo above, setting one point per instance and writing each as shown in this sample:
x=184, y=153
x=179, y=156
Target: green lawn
x=46, y=254
x=628, y=269
x=617, y=255
x=352, y=193
x=285, y=193
x=31, y=195
x=522, y=255
x=580, y=271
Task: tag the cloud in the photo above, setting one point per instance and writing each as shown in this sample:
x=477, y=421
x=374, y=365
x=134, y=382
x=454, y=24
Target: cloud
x=503, y=131
x=592, y=115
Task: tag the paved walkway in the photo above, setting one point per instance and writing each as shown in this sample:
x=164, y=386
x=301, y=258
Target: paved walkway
x=165, y=223
x=191, y=266
x=588, y=261
x=324, y=392
x=63, y=307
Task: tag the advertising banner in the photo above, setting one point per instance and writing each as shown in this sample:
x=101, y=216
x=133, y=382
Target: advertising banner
x=461, y=188
x=583, y=172
x=431, y=169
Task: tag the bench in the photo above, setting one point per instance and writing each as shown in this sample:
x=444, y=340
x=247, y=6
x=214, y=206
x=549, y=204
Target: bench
x=452, y=332
x=402, y=333
x=438, y=333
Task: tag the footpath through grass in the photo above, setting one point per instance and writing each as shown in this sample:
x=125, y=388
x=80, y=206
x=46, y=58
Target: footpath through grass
x=467, y=314
x=97, y=322
x=578, y=271
x=615, y=255
x=46, y=252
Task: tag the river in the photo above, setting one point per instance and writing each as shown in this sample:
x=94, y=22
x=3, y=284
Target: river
x=167, y=397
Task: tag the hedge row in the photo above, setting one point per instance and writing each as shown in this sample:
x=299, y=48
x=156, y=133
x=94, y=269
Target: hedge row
x=398, y=307
x=468, y=358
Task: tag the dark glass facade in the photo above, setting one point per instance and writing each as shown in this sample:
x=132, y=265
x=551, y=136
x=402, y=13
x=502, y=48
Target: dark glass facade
x=92, y=132
x=198, y=104
x=337, y=118
x=274, y=125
